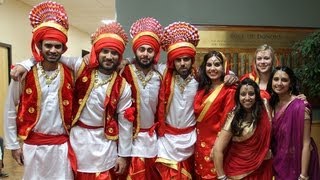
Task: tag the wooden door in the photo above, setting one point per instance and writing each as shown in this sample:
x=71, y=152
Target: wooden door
x=5, y=63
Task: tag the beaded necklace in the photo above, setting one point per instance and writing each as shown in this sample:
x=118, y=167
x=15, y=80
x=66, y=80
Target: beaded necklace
x=50, y=78
x=144, y=79
x=98, y=82
x=182, y=83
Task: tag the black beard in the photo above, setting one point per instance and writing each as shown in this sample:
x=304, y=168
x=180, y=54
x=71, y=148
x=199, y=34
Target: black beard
x=184, y=75
x=143, y=66
x=108, y=70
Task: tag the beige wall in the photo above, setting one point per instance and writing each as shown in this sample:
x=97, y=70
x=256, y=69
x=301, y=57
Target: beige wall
x=15, y=29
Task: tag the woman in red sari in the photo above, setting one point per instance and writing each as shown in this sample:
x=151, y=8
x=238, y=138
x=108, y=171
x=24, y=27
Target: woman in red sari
x=212, y=103
x=264, y=61
x=242, y=149
x=295, y=154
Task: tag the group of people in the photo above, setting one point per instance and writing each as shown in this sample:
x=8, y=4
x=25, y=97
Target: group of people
x=86, y=119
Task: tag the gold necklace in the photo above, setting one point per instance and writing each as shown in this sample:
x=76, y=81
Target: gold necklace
x=50, y=78
x=182, y=83
x=144, y=79
x=98, y=82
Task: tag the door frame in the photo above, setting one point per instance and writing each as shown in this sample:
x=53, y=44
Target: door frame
x=9, y=47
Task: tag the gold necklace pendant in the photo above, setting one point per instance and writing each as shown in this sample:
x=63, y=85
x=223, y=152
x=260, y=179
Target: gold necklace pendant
x=182, y=83
x=146, y=79
x=98, y=82
x=50, y=78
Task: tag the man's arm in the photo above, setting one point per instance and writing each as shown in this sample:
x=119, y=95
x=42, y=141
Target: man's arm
x=10, y=126
x=19, y=71
x=125, y=126
x=125, y=131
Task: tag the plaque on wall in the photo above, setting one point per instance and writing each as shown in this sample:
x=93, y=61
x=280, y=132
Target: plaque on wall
x=239, y=43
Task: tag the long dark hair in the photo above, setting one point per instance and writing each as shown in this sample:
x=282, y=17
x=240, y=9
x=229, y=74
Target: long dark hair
x=294, y=88
x=204, y=81
x=239, y=111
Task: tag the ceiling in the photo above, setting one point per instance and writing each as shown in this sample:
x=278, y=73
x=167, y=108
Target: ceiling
x=85, y=15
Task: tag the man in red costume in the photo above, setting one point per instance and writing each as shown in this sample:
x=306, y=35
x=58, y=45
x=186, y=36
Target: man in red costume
x=102, y=127
x=145, y=85
x=44, y=99
x=177, y=134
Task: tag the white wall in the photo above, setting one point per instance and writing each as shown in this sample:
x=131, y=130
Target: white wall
x=15, y=29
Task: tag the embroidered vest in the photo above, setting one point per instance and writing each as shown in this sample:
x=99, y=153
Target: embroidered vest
x=83, y=87
x=30, y=101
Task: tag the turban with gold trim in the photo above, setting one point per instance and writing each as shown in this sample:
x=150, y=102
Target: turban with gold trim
x=147, y=31
x=50, y=22
x=111, y=36
x=179, y=39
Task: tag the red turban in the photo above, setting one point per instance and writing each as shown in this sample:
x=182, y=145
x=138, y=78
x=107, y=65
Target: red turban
x=148, y=40
x=46, y=33
x=179, y=52
x=107, y=42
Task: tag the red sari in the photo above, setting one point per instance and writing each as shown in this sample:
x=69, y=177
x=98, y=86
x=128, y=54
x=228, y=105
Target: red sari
x=245, y=158
x=211, y=111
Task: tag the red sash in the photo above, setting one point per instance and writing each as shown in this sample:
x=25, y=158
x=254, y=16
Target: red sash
x=177, y=131
x=83, y=125
x=46, y=139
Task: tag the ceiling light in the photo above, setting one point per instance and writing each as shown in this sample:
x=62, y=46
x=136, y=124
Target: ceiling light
x=108, y=21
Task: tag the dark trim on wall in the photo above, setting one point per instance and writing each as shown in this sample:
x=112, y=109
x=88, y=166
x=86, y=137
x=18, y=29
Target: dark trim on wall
x=84, y=52
x=9, y=47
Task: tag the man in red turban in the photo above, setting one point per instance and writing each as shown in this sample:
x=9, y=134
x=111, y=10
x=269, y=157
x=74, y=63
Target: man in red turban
x=44, y=99
x=177, y=134
x=103, y=116
x=145, y=84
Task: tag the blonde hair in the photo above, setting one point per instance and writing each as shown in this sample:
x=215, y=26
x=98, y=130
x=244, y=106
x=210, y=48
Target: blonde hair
x=265, y=47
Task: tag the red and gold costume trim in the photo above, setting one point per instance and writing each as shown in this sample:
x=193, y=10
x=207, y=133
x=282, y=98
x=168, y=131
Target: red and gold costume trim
x=170, y=168
x=128, y=75
x=30, y=101
x=143, y=168
x=83, y=87
x=207, y=105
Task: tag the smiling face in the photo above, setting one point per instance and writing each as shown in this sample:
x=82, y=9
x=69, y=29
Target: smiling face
x=214, y=69
x=51, y=50
x=281, y=83
x=264, y=61
x=183, y=66
x=108, y=60
x=247, y=97
x=145, y=56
